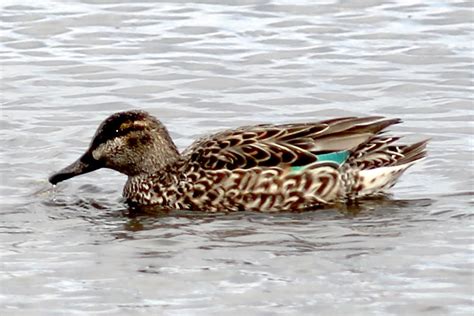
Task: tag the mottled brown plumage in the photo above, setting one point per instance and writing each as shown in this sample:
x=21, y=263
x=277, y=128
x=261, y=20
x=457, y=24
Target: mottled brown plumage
x=262, y=168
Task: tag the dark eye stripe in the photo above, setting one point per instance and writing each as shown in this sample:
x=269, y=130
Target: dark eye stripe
x=130, y=128
x=111, y=131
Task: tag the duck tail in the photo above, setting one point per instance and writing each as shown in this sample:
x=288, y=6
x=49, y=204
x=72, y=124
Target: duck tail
x=412, y=153
x=377, y=171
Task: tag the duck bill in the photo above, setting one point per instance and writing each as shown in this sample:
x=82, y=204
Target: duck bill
x=83, y=165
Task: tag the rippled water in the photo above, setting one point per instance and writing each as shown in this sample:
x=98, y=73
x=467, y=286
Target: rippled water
x=207, y=65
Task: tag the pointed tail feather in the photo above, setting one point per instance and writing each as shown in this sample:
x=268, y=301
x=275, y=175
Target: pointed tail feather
x=373, y=180
x=378, y=152
x=413, y=152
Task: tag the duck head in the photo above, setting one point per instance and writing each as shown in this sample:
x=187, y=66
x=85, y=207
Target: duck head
x=131, y=142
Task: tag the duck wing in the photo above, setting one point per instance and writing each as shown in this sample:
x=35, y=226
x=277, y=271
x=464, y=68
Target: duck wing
x=288, y=145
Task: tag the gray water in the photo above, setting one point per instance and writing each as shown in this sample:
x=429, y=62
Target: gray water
x=208, y=65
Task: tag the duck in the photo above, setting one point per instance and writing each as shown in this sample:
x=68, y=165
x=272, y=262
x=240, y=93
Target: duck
x=265, y=168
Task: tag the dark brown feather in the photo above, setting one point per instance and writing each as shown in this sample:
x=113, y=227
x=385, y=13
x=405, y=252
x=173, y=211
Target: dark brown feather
x=284, y=145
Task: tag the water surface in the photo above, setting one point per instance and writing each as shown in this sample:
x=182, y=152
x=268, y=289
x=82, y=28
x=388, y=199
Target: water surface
x=207, y=65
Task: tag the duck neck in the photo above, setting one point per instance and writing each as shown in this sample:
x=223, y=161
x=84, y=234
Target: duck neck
x=136, y=189
x=161, y=156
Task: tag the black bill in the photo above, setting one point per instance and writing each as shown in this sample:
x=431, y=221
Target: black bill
x=83, y=165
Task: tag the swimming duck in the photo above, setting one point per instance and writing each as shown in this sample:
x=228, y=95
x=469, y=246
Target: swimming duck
x=261, y=168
